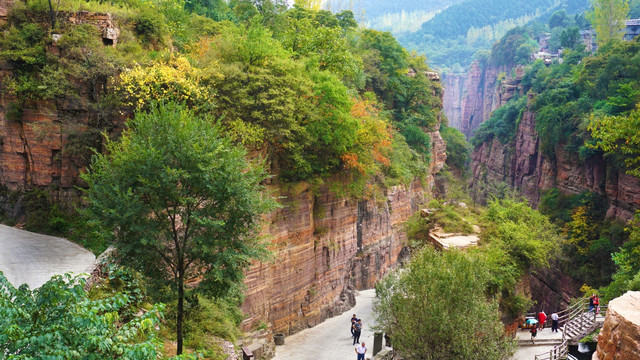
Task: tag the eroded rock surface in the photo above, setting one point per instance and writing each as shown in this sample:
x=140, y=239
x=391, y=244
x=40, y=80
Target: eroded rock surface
x=522, y=165
x=325, y=248
x=619, y=338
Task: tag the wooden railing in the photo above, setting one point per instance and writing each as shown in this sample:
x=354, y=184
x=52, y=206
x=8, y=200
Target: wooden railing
x=575, y=320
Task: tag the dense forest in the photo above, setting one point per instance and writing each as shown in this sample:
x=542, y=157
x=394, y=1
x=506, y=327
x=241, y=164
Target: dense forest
x=585, y=106
x=198, y=109
x=452, y=38
x=193, y=110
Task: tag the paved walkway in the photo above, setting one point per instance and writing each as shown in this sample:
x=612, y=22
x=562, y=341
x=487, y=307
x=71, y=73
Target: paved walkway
x=332, y=340
x=529, y=352
x=31, y=258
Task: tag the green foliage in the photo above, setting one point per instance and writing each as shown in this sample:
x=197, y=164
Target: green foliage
x=515, y=47
x=450, y=285
x=417, y=228
x=590, y=238
x=150, y=27
x=607, y=19
x=458, y=149
x=451, y=217
x=211, y=317
x=452, y=37
x=619, y=135
x=502, y=124
x=527, y=236
x=405, y=164
x=627, y=263
x=24, y=45
x=59, y=320
x=194, y=200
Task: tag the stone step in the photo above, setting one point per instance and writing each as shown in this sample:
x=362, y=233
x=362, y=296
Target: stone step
x=540, y=342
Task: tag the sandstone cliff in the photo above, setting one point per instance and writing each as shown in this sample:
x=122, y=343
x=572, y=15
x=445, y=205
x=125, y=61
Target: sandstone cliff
x=522, y=165
x=469, y=99
x=619, y=338
x=324, y=247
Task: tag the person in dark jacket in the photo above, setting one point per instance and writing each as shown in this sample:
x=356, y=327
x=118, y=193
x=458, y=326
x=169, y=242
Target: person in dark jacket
x=353, y=321
x=534, y=332
x=357, y=330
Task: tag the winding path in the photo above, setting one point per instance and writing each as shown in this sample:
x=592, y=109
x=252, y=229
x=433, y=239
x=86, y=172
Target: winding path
x=31, y=258
x=331, y=340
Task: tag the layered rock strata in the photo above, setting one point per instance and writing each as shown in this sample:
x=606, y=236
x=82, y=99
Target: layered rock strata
x=521, y=164
x=326, y=247
x=619, y=338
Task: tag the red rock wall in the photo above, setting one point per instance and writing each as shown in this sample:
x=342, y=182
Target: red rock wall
x=469, y=99
x=32, y=151
x=522, y=165
x=619, y=338
x=325, y=247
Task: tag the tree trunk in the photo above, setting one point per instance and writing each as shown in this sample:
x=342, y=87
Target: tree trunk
x=52, y=16
x=180, y=310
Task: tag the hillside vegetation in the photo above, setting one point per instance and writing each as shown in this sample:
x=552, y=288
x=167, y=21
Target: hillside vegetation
x=585, y=107
x=302, y=93
x=451, y=39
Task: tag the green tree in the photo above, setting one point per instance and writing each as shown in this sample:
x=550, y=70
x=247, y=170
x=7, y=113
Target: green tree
x=437, y=308
x=619, y=134
x=182, y=202
x=458, y=149
x=607, y=19
x=59, y=321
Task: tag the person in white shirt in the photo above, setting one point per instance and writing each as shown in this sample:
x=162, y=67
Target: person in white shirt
x=361, y=350
x=554, y=322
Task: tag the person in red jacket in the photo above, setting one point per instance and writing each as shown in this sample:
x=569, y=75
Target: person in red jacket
x=542, y=317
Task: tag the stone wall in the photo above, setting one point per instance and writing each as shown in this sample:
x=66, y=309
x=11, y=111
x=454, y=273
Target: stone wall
x=619, y=338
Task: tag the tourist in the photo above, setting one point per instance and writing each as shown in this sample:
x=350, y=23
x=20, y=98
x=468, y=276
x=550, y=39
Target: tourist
x=591, y=307
x=596, y=303
x=353, y=321
x=361, y=350
x=357, y=329
x=542, y=317
x=554, y=322
x=534, y=332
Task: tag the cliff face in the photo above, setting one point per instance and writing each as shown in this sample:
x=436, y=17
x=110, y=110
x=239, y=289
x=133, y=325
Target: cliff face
x=522, y=165
x=469, y=99
x=326, y=247
x=619, y=338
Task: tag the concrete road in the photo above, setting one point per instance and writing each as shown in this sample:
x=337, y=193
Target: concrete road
x=332, y=340
x=31, y=258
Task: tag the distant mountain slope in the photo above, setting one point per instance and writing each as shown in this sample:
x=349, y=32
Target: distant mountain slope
x=377, y=8
x=452, y=36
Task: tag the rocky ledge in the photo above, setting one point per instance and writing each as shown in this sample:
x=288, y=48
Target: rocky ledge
x=619, y=338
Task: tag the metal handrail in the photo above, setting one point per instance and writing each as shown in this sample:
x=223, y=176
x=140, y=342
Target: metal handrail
x=573, y=318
